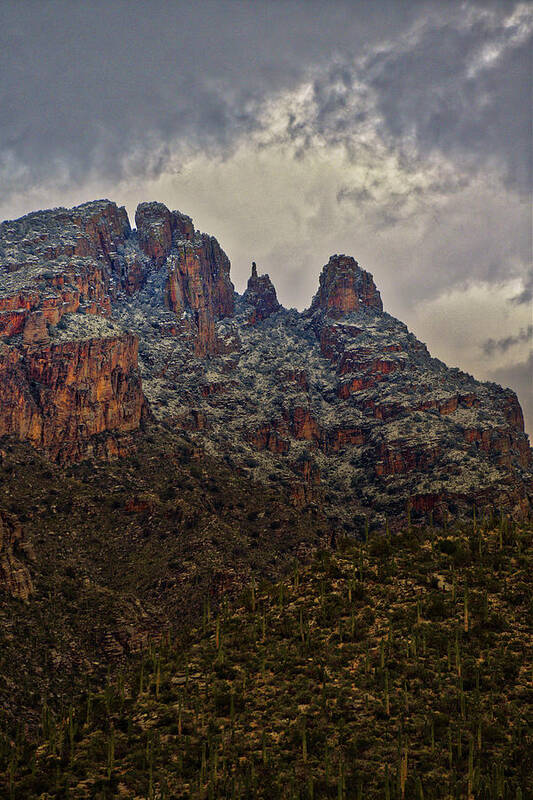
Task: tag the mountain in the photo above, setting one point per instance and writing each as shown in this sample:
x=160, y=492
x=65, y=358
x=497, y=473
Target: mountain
x=103, y=326
x=165, y=442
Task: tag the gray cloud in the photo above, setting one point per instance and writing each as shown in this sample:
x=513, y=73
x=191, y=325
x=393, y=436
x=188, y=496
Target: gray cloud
x=85, y=84
x=457, y=83
x=491, y=346
x=102, y=87
x=463, y=87
x=519, y=377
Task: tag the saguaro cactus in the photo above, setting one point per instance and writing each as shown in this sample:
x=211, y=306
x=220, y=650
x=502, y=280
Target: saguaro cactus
x=110, y=753
x=387, y=698
x=403, y=771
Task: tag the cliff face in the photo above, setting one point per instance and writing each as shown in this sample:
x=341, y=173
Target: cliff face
x=60, y=262
x=198, y=280
x=341, y=403
x=66, y=374
x=65, y=378
x=60, y=395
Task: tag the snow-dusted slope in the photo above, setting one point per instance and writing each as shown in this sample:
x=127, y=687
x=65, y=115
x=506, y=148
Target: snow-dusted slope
x=340, y=403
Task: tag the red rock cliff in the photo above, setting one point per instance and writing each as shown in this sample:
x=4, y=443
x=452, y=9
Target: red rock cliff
x=345, y=287
x=198, y=270
x=62, y=261
x=60, y=395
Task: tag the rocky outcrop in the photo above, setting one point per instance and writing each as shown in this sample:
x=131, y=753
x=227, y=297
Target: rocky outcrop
x=62, y=261
x=154, y=229
x=198, y=282
x=270, y=437
x=306, y=488
x=157, y=227
x=345, y=287
x=361, y=360
x=261, y=295
x=355, y=384
x=399, y=458
x=297, y=377
x=15, y=555
x=66, y=380
x=340, y=438
x=303, y=424
x=333, y=338
x=36, y=329
x=68, y=384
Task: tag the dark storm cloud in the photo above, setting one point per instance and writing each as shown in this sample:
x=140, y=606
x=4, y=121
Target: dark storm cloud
x=458, y=83
x=491, y=346
x=86, y=83
x=462, y=89
x=88, y=87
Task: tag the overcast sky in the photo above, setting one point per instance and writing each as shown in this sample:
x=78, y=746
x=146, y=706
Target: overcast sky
x=397, y=132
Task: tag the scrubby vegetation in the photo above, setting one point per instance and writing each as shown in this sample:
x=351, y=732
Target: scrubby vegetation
x=396, y=667
x=124, y=550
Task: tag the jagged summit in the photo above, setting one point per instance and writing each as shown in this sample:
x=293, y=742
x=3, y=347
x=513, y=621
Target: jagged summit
x=342, y=404
x=157, y=227
x=345, y=287
x=261, y=294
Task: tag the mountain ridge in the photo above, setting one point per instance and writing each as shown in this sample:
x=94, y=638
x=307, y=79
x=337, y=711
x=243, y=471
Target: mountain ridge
x=340, y=402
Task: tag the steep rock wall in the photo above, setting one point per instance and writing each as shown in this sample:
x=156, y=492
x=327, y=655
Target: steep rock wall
x=59, y=396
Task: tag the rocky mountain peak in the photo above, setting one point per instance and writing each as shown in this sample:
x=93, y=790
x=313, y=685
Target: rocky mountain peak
x=157, y=228
x=345, y=287
x=261, y=295
x=346, y=409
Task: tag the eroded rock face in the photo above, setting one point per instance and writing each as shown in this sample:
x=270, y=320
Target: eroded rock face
x=154, y=229
x=60, y=262
x=198, y=280
x=157, y=227
x=16, y=554
x=67, y=374
x=67, y=379
x=60, y=395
